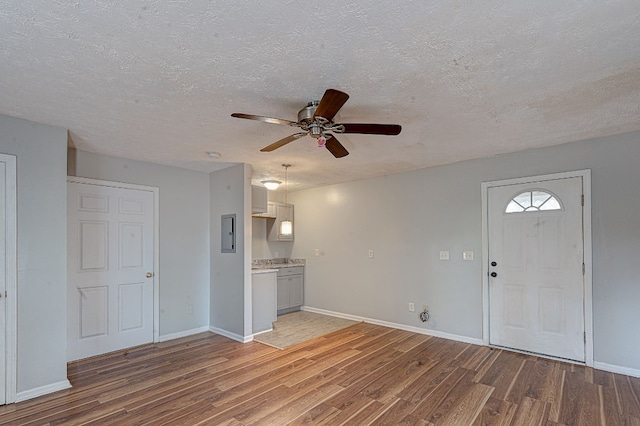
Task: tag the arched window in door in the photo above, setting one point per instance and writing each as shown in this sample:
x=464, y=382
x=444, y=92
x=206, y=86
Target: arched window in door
x=533, y=201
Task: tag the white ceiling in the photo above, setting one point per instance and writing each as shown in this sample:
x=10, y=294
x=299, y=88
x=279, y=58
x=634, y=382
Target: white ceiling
x=157, y=80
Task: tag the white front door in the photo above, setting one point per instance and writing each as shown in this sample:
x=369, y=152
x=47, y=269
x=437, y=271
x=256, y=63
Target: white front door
x=536, y=255
x=110, y=269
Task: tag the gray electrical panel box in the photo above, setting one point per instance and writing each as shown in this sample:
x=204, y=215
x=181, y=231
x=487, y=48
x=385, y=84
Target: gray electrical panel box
x=228, y=233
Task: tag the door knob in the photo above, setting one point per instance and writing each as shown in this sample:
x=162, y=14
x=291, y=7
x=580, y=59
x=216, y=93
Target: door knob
x=494, y=264
x=493, y=274
x=149, y=274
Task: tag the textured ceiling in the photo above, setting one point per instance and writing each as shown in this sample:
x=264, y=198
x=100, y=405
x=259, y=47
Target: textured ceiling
x=157, y=80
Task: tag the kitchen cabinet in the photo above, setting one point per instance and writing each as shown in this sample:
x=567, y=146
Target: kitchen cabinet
x=283, y=211
x=263, y=293
x=269, y=214
x=258, y=199
x=290, y=288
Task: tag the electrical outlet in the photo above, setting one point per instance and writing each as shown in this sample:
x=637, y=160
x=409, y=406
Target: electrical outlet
x=370, y=253
x=317, y=252
x=189, y=309
x=412, y=307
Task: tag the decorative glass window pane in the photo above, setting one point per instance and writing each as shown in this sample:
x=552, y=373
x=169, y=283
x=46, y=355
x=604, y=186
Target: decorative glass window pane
x=514, y=207
x=538, y=198
x=551, y=204
x=533, y=201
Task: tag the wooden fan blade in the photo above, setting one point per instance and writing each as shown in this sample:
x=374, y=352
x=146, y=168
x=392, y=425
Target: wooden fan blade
x=331, y=102
x=283, y=142
x=265, y=119
x=336, y=147
x=372, y=129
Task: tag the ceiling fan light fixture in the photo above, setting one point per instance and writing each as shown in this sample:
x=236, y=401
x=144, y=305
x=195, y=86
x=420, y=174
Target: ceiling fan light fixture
x=271, y=184
x=321, y=141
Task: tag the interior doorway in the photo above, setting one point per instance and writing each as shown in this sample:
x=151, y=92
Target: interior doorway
x=8, y=279
x=112, y=258
x=537, y=252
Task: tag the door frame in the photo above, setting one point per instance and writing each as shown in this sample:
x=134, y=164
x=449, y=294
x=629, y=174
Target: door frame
x=11, y=264
x=588, y=261
x=156, y=237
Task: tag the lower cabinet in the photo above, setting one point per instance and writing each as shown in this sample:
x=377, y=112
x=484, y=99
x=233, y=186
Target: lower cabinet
x=263, y=292
x=290, y=288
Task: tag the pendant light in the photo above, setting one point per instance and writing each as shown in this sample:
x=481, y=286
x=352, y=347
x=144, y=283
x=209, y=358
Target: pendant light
x=286, y=226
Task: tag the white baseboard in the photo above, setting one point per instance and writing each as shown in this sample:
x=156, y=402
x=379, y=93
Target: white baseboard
x=230, y=335
x=616, y=369
x=185, y=333
x=42, y=390
x=418, y=330
x=262, y=332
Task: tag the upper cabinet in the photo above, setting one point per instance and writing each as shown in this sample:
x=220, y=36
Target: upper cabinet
x=258, y=199
x=269, y=214
x=283, y=212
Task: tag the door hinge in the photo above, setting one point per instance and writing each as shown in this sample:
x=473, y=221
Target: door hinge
x=585, y=336
x=583, y=268
x=582, y=200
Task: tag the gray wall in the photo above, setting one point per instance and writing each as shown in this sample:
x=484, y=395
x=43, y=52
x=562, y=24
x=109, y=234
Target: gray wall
x=42, y=255
x=408, y=218
x=184, y=232
x=231, y=272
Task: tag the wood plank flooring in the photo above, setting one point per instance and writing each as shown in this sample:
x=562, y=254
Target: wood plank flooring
x=364, y=374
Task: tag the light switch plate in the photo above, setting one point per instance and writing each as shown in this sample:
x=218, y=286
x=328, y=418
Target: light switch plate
x=370, y=253
x=317, y=252
x=444, y=255
x=467, y=255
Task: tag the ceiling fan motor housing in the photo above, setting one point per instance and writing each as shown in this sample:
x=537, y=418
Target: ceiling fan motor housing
x=316, y=126
x=306, y=113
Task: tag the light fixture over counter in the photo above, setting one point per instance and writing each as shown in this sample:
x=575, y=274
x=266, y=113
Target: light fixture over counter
x=286, y=226
x=271, y=184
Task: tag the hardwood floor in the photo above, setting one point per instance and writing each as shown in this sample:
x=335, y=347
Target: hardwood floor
x=364, y=374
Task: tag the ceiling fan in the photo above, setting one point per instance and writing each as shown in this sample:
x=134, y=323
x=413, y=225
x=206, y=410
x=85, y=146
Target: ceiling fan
x=316, y=120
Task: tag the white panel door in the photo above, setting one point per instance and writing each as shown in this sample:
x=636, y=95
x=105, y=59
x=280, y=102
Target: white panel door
x=8, y=278
x=110, y=269
x=536, y=255
x=3, y=283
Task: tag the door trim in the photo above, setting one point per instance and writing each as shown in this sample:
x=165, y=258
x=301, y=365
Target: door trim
x=11, y=250
x=588, y=261
x=156, y=240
